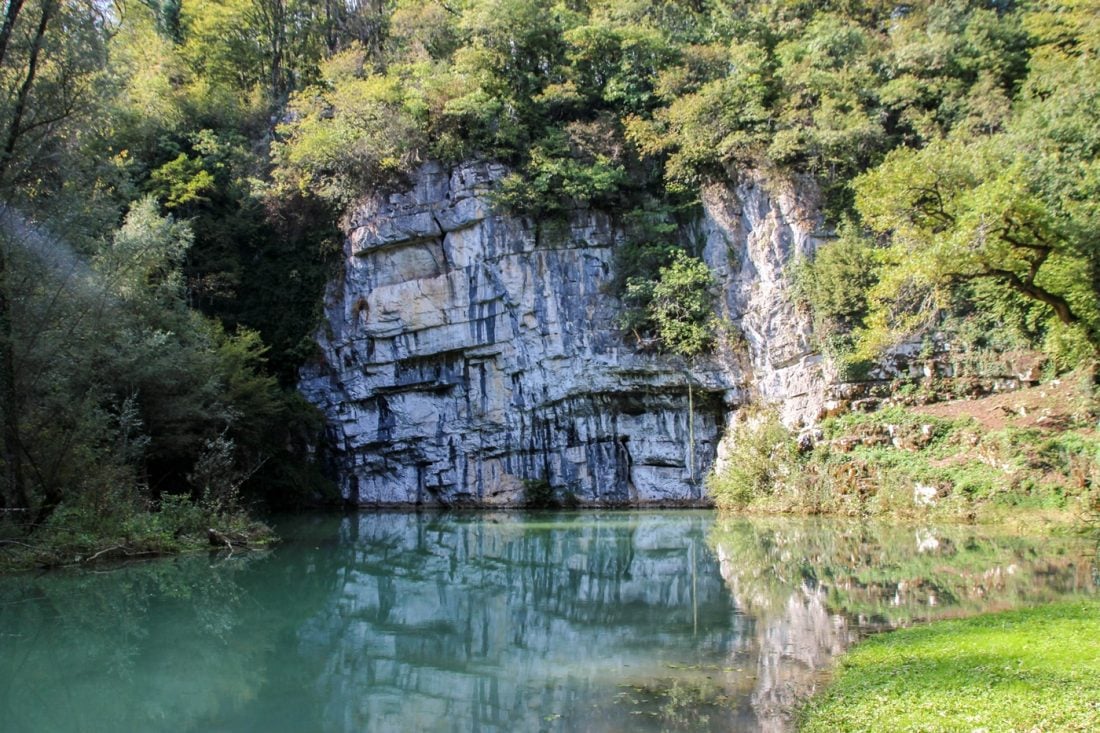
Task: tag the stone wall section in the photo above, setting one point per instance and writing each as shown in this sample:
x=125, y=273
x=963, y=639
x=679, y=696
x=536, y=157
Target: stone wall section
x=465, y=351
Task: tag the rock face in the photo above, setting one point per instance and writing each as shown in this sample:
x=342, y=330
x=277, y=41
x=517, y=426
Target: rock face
x=465, y=352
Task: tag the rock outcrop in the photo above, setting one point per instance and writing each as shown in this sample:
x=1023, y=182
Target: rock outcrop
x=465, y=352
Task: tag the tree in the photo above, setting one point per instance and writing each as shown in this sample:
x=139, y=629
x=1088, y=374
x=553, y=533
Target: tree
x=49, y=61
x=237, y=46
x=357, y=128
x=1011, y=214
x=678, y=310
x=947, y=62
x=957, y=212
x=50, y=51
x=828, y=114
x=682, y=306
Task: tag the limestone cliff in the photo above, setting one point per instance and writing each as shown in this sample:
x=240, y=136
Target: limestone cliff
x=465, y=350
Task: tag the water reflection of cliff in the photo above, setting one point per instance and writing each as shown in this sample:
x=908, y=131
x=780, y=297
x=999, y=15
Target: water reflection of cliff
x=816, y=587
x=583, y=622
x=501, y=624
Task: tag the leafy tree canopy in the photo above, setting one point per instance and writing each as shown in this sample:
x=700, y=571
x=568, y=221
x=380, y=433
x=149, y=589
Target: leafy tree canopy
x=195, y=155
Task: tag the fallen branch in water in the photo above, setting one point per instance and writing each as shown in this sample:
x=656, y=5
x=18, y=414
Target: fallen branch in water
x=217, y=539
x=103, y=551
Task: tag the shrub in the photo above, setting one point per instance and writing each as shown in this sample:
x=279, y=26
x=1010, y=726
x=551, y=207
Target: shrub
x=539, y=494
x=179, y=515
x=762, y=457
x=557, y=178
x=834, y=285
x=676, y=309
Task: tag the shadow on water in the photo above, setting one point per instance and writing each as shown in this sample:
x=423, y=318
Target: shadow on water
x=642, y=621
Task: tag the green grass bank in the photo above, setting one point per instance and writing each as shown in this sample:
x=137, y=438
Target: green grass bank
x=1036, y=669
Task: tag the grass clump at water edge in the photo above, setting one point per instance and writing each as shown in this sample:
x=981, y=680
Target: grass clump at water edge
x=1033, y=669
x=81, y=534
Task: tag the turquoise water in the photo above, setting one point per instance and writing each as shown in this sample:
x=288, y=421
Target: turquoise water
x=615, y=621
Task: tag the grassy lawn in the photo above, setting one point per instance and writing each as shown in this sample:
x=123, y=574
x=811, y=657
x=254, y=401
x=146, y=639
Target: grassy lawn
x=1032, y=670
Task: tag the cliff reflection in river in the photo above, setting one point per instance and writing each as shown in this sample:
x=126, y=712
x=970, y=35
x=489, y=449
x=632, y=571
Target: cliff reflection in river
x=510, y=622
x=598, y=621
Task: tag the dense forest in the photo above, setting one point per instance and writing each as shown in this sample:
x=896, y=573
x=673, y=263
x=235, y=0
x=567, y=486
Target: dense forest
x=173, y=173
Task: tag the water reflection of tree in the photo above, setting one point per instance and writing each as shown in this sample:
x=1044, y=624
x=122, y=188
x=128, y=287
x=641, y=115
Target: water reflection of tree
x=159, y=646
x=814, y=587
x=895, y=574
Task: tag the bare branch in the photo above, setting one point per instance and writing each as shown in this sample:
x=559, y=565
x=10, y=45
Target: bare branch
x=1058, y=304
x=104, y=551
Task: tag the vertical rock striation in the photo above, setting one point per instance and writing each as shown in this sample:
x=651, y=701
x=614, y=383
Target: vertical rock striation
x=755, y=231
x=465, y=351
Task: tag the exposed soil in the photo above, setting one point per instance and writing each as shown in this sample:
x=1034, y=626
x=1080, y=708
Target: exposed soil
x=1050, y=406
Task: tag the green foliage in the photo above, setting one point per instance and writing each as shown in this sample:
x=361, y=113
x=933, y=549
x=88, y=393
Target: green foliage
x=558, y=177
x=143, y=260
x=78, y=533
x=124, y=391
x=704, y=127
x=996, y=214
x=539, y=494
x=758, y=464
x=971, y=472
x=182, y=516
x=827, y=88
x=682, y=306
x=953, y=65
x=357, y=128
x=236, y=47
x=122, y=387
x=677, y=308
x=830, y=88
x=834, y=286
x=52, y=59
x=829, y=116
x=1007, y=671
x=959, y=212
x=183, y=181
x=885, y=463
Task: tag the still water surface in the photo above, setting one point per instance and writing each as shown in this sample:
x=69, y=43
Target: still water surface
x=640, y=621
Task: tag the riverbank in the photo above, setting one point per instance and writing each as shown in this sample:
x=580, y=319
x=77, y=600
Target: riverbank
x=79, y=537
x=1032, y=669
x=915, y=456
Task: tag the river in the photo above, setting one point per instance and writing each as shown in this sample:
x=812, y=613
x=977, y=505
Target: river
x=593, y=621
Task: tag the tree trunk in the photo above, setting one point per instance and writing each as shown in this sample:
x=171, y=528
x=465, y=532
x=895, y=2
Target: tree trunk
x=9, y=405
x=10, y=14
x=15, y=125
x=277, y=40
